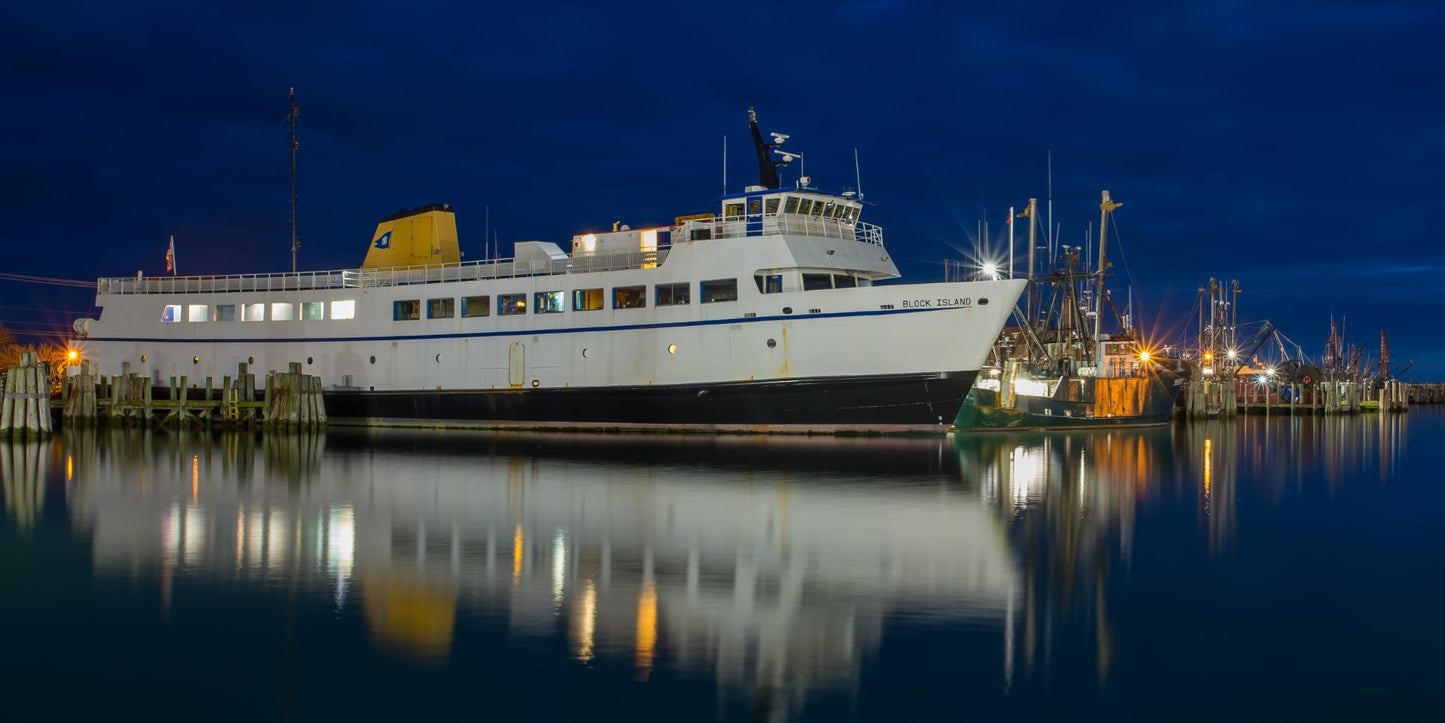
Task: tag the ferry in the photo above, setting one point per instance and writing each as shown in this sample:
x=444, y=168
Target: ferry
x=771, y=313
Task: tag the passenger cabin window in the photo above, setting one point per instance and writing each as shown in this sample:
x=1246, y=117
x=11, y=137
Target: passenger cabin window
x=344, y=309
x=225, y=312
x=474, y=306
x=672, y=294
x=813, y=282
x=407, y=310
x=511, y=304
x=283, y=311
x=844, y=281
x=769, y=283
x=587, y=299
x=253, y=312
x=547, y=302
x=629, y=297
x=198, y=312
x=441, y=308
x=171, y=312
x=718, y=290
x=312, y=310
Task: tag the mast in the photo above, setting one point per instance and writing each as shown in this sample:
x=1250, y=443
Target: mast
x=291, y=117
x=1105, y=209
x=1031, y=212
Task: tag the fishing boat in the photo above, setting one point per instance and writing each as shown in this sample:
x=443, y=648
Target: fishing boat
x=1061, y=368
x=769, y=313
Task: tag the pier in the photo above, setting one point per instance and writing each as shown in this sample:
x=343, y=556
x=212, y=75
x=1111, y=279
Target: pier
x=288, y=400
x=1211, y=398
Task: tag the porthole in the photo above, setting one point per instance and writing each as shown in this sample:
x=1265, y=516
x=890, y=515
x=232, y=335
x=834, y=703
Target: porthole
x=309, y=361
x=439, y=358
x=142, y=358
x=536, y=383
x=195, y=360
x=250, y=360
x=373, y=360
x=772, y=343
x=671, y=348
x=586, y=353
x=787, y=309
x=983, y=301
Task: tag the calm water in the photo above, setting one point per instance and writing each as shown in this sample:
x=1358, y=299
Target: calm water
x=1257, y=569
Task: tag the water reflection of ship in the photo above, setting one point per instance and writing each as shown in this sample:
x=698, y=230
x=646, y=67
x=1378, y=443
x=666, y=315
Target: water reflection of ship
x=775, y=564
x=1070, y=502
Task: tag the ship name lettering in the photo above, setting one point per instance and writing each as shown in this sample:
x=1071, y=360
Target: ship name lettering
x=917, y=303
x=956, y=302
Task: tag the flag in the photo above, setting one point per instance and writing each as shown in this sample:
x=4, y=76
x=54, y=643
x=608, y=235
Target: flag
x=171, y=257
x=1025, y=214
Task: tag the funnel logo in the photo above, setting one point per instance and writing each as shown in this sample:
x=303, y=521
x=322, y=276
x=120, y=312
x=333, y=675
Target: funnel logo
x=384, y=242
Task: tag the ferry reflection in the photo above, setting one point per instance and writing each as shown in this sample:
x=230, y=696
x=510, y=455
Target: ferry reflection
x=775, y=564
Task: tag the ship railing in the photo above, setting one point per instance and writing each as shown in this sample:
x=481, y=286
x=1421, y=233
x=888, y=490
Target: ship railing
x=785, y=223
x=395, y=276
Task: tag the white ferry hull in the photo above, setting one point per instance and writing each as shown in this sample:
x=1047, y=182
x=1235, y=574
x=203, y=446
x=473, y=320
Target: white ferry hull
x=872, y=359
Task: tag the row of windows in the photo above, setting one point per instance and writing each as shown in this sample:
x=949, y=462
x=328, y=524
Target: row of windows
x=794, y=205
x=280, y=311
x=555, y=302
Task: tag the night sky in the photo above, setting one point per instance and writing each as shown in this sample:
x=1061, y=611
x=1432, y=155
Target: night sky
x=1297, y=146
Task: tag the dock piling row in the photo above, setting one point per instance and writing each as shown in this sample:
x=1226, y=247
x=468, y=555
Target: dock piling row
x=292, y=400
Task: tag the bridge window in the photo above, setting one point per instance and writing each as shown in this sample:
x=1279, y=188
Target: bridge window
x=805, y=206
x=791, y=205
x=587, y=299
x=813, y=282
x=312, y=310
x=772, y=206
x=672, y=294
x=819, y=207
x=474, y=306
x=511, y=304
x=732, y=210
x=407, y=310
x=718, y=290
x=755, y=206
x=844, y=281
x=344, y=309
x=547, y=302
x=441, y=308
x=629, y=297
x=283, y=311
x=769, y=283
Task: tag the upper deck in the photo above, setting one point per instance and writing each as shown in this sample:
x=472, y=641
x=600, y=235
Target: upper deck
x=801, y=214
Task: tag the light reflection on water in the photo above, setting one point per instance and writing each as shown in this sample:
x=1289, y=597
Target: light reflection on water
x=775, y=567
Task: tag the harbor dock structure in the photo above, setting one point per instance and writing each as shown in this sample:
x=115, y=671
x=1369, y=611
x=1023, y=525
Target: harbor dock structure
x=25, y=399
x=289, y=400
x=1227, y=397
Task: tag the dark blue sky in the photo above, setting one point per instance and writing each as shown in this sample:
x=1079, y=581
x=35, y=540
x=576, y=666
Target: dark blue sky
x=1297, y=146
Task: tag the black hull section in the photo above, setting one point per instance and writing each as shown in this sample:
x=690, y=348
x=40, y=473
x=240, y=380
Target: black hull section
x=915, y=402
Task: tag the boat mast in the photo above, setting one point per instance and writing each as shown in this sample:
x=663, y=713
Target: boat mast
x=1032, y=212
x=1105, y=209
x=291, y=117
